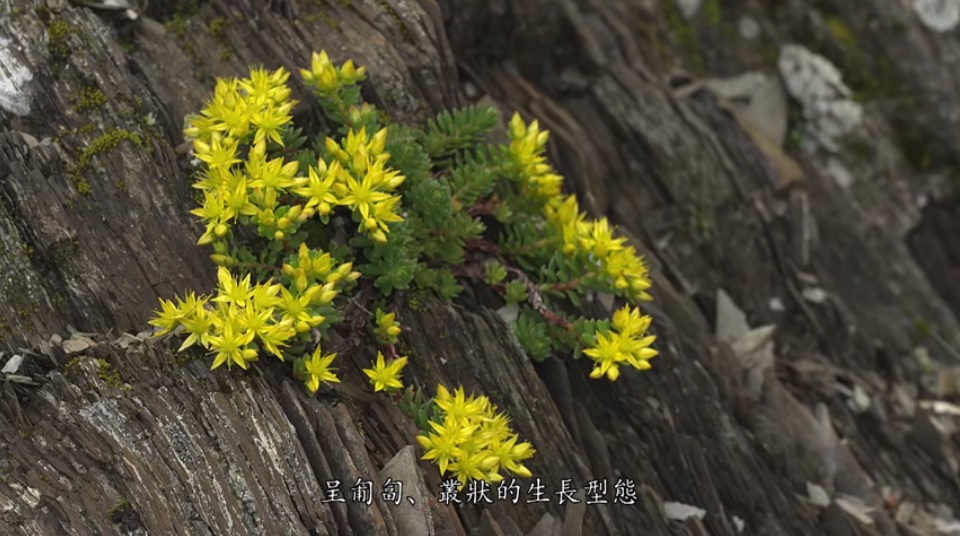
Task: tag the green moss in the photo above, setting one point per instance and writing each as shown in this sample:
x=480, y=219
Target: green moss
x=58, y=33
x=177, y=25
x=685, y=37
x=72, y=368
x=217, y=27
x=324, y=14
x=105, y=142
x=841, y=33
x=88, y=97
x=713, y=13
x=110, y=375
x=922, y=327
x=392, y=13
x=415, y=300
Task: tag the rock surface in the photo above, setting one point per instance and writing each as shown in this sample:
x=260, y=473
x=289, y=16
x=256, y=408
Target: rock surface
x=820, y=368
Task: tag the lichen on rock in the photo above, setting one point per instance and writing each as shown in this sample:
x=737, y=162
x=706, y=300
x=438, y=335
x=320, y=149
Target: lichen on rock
x=829, y=111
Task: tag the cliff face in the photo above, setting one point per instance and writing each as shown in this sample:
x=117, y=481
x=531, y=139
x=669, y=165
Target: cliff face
x=787, y=167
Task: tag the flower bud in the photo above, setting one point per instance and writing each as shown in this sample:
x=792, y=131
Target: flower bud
x=301, y=280
x=302, y=327
x=278, y=235
x=394, y=181
x=360, y=160
x=221, y=260
x=340, y=189
x=249, y=354
x=326, y=296
x=283, y=223
x=323, y=208
x=270, y=199
x=294, y=212
x=379, y=236
x=378, y=143
x=331, y=146
x=542, y=138
x=639, y=284
x=393, y=331
x=327, y=81
x=370, y=224
x=220, y=230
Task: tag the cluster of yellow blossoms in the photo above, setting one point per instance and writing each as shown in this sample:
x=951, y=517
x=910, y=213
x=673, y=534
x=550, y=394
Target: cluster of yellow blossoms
x=229, y=324
x=627, y=344
x=327, y=78
x=254, y=111
x=617, y=261
x=473, y=440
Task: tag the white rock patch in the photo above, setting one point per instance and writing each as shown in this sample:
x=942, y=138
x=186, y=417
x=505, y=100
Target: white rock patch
x=14, y=76
x=689, y=8
x=938, y=15
x=829, y=112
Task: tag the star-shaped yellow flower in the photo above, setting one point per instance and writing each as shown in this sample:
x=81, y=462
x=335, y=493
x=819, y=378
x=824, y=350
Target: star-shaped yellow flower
x=386, y=377
x=318, y=370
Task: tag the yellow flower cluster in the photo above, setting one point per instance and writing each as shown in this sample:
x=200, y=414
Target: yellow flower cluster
x=473, y=440
x=625, y=345
x=248, y=111
x=326, y=78
x=227, y=324
x=617, y=261
x=242, y=314
x=527, y=145
x=254, y=111
x=620, y=262
x=367, y=184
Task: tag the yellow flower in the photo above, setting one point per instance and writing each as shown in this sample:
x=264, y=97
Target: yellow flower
x=474, y=466
x=269, y=120
x=219, y=152
x=230, y=345
x=318, y=370
x=625, y=345
x=232, y=291
x=457, y=406
x=167, y=318
x=442, y=444
x=362, y=194
x=607, y=353
x=319, y=187
x=386, y=377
